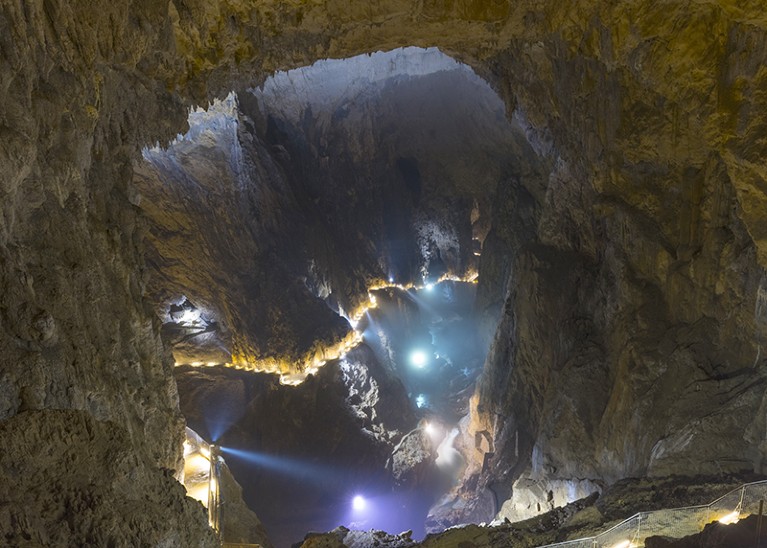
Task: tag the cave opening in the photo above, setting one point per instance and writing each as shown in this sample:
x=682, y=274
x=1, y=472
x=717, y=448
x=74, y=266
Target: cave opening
x=316, y=244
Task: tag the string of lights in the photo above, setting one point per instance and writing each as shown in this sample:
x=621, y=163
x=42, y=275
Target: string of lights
x=324, y=354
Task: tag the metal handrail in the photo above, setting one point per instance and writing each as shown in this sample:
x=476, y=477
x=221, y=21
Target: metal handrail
x=737, y=513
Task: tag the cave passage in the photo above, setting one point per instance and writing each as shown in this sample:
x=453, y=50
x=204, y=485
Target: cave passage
x=296, y=475
x=328, y=227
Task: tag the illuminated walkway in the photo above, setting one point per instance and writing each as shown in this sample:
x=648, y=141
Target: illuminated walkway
x=676, y=522
x=325, y=354
x=201, y=475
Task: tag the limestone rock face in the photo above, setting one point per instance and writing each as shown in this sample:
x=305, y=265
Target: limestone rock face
x=69, y=479
x=412, y=460
x=238, y=522
x=223, y=226
x=75, y=334
x=376, y=396
x=342, y=537
x=648, y=359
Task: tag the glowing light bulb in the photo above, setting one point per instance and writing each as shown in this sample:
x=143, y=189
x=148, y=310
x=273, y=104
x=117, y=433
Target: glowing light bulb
x=359, y=503
x=732, y=517
x=429, y=287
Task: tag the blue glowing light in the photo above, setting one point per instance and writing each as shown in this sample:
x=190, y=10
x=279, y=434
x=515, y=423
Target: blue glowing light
x=429, y=287
x=297, y=468
x=421, y=401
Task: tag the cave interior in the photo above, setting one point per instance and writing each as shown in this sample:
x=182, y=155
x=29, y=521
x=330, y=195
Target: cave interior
x=406, y=274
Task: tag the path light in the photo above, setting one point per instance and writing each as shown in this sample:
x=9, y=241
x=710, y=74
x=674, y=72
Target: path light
x=732, y=517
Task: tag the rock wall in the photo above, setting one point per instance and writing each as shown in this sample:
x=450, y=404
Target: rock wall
x=637, y=277
x=648, y=357
x=87, y=400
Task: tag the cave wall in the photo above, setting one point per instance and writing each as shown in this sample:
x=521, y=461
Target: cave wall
x=225, y=229
x=652, y=110
x=88, y=404
x=648, y=359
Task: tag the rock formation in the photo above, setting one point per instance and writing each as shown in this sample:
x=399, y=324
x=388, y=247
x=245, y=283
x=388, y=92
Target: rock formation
x=623, y=268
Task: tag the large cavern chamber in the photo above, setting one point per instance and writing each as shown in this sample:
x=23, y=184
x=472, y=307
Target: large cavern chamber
x=621, y=290
x=289, y=211
x=337, y=211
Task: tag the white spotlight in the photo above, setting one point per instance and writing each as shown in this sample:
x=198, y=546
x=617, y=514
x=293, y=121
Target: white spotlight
x=418, y=358
x=429, y=287
x=358, y=503
x=433, y=431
